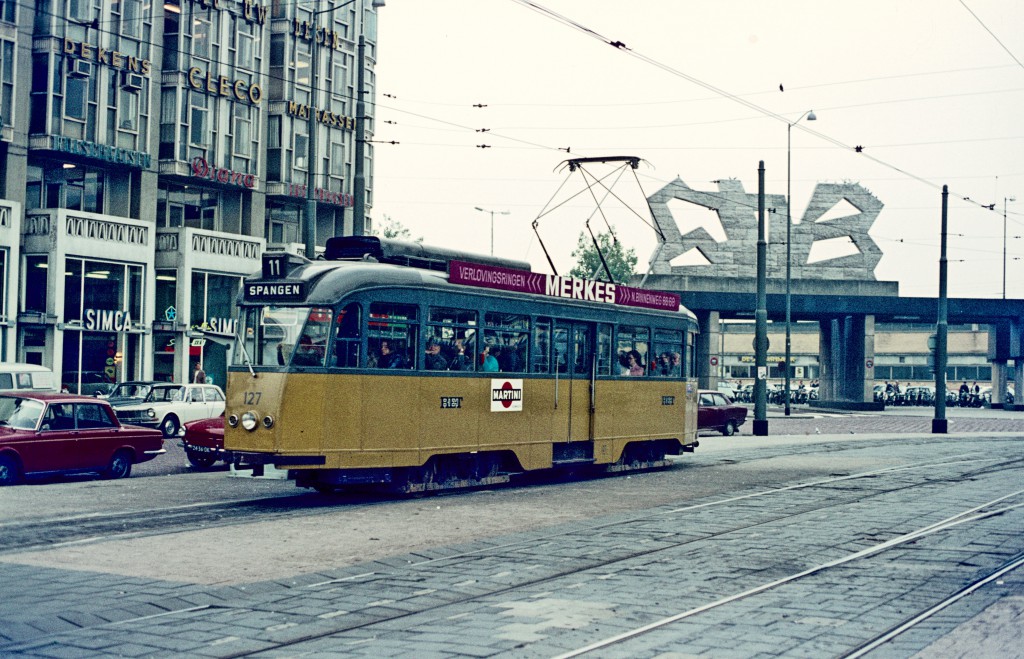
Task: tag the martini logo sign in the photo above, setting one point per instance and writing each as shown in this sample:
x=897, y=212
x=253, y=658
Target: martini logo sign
x=506, y=395
x=569, y=288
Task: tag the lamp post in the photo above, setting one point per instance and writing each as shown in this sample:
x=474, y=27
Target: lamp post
x=789, y=247
x=1005, y=199
x=359, y=211
x=493, y=213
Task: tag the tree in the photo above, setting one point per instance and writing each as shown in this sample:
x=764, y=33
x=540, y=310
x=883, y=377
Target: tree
x=588, y=264
x=394, y=229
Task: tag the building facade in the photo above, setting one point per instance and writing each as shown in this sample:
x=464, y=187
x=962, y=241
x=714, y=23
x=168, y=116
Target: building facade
x=150, y=153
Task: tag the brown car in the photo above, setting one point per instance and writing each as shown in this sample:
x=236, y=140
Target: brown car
x=45, y=433
x=716, y=411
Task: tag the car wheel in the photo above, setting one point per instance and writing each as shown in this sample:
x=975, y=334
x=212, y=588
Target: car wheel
x=170, y=426
x=120, y=465
x=200, y=460
x=729, y=429
x=10, y=470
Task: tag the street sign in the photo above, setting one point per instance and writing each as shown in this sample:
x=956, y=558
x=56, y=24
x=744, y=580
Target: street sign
x=714, y=361
x=870, y=363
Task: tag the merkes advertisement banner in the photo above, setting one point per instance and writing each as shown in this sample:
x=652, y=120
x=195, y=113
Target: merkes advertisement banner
x=521, y=281
x=506, y=395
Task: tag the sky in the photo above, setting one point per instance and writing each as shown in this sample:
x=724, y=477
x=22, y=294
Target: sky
x=932, y=90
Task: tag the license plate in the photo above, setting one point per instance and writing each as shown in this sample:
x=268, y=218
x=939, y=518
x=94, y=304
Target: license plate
x=202, y=449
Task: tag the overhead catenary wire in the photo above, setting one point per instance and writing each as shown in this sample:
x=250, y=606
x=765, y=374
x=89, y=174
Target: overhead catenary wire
x=621, y=46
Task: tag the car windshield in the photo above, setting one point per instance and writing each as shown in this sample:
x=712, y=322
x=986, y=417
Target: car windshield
x=166, y=394
x=21, y=413
x=131, y=390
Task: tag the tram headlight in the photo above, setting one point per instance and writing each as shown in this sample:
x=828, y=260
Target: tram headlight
x=233, y=420
x=249, y=421
x=268, y=422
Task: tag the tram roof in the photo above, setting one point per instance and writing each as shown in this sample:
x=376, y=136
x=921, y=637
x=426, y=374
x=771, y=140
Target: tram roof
x=329, y=281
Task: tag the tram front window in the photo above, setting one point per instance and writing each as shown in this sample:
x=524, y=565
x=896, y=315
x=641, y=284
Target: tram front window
x=270, y=334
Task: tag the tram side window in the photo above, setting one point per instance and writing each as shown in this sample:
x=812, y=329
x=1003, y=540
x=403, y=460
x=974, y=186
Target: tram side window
x=391, y=336
x=668, y=354
x=507, y=335
x=689, y=360
x=632, y=348
x=346, y=338
x=311, y=350
x=541, y=352
x=604, y=349
x=454, y=332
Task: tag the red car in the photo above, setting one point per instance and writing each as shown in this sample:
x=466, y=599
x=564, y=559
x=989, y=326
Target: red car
x=716, y=411
x=204, y=442
x=43, y=433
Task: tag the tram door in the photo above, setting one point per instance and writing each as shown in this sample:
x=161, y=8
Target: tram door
x=574, y=349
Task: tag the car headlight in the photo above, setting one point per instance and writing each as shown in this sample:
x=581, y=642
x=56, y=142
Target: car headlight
x=268, y=422
x=233, y=420
x=249, y=421
x=151, y=413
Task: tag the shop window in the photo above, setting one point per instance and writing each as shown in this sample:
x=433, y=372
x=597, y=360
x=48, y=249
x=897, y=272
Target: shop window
x=35, y=283
x=166, y=294
x=74, y=98
x=40, y=95
x=282, y=223
x=198, y=133
x=301, y=150
x=337, y=159
x=6, y=82
x=242, y=139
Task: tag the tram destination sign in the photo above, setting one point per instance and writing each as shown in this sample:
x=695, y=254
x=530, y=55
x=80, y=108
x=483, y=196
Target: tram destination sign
x=275, y=291
x=570, y=288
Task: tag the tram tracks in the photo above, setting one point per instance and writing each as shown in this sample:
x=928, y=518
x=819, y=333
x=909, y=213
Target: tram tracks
x=343, y=623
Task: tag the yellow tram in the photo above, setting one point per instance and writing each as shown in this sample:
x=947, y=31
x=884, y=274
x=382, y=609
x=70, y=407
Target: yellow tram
x=415, y=368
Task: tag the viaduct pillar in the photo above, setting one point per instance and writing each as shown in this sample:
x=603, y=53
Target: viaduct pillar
x=709, y=344
x=847, y=354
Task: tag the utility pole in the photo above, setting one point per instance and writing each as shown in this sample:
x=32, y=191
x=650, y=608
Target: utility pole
x=761, y=317
x=939, y=424
x=359, y=181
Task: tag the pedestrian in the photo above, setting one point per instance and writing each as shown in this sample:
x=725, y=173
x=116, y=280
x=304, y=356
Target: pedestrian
x=199, y=375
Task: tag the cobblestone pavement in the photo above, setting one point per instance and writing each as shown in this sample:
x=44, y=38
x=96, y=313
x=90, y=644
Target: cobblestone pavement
x=805, y=421
x=892, y=529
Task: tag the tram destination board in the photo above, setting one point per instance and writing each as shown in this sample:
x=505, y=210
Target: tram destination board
x=275, y=291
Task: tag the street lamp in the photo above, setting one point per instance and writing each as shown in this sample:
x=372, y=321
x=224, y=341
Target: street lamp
x=493, y=213
x=1005, y=199
x=359, y=211
x=789, y=246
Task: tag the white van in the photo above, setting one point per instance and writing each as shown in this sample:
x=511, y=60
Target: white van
x=14, y=376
